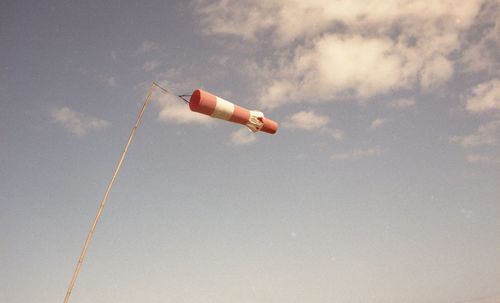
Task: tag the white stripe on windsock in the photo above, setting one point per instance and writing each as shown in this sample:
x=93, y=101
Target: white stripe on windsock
x=223, y=109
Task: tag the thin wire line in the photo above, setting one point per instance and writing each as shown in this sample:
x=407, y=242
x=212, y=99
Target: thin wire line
x=162, y=88
x=108, y=189
x=170, y=93
x=183, y=98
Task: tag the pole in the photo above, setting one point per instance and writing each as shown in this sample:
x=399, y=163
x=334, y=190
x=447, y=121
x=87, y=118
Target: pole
x=108, y=189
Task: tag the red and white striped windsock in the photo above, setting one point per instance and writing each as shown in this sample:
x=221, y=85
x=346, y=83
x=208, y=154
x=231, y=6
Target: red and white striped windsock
x=205, y=103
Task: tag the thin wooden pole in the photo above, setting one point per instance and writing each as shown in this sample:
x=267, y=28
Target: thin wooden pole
x=108, y=189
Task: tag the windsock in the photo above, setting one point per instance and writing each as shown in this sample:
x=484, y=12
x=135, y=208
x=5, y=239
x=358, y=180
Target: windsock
x=205, y=103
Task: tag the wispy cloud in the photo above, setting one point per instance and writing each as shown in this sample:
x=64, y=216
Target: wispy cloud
x=151, y=65
x=312, y=121
x=336, y=133
x=149, y=46
x=75, y=122
x=172, y=108
x=484, y=97
x=243, y=136
x=486, y=134
x=481, y=49
x=401, y=103
x=477, y=158
x=340, y=49
x=357, y=154
x=308, y=120
x=106, y=80
x=481, y=158
x=113, y=55
x=467, y=213
x=378, y=122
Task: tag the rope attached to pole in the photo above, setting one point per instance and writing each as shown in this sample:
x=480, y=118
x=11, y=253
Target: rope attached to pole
x=110, y=185
x=183, y=97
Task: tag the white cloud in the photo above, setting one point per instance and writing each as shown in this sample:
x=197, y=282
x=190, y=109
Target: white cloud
x=173, y=109
x=335, y=66
x=401, y=103
x=481, y=49
x=326, y=49
x=435, y=72
x=484, y=97
x=239, y=18
x=243, y=136
x=292, y=19
x=486, y=134
x=312, y=121
x=357, y=154
x=378, y=122
x=308, y=120
x=75, y=122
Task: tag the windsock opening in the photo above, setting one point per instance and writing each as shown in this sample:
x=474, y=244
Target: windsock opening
x=202, y=102
x=205, y=103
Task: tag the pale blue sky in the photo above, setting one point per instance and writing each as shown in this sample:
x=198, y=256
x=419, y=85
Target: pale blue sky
x=381, y=184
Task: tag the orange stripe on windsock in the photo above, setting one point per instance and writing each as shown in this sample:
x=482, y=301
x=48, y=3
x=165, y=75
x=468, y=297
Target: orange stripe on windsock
x=240, y=115
x=205, y=103
x=269, y=126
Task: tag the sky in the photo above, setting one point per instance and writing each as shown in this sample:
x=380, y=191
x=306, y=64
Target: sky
x=381, y=184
